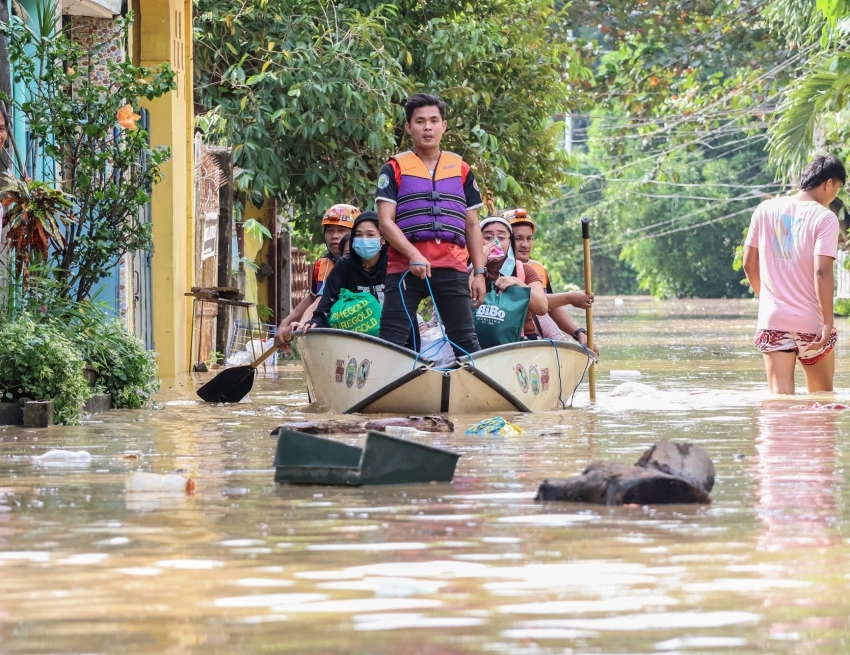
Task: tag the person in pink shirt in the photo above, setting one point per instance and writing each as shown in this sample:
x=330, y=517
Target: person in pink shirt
x=789, y=254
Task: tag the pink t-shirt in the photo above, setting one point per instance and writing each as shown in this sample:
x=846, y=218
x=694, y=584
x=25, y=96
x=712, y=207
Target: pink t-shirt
x=789, y=234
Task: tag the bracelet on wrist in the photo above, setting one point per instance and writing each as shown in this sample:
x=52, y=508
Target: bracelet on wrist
x=578, y=332
x=479, y=271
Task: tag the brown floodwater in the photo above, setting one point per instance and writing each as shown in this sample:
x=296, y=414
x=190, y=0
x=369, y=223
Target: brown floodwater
x=475, y=566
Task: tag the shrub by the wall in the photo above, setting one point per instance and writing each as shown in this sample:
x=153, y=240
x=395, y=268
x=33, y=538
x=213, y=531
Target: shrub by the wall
x=38, y=362
x=125, y=368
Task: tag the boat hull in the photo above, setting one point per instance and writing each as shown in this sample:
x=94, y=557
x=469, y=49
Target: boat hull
x=350, y=372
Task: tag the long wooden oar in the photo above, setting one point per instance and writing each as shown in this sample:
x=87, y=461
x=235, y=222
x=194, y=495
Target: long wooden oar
x=588, y=288
x=233, y=384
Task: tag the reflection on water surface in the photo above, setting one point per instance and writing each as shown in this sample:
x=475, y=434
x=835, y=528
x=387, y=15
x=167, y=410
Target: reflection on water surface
x=246, y=566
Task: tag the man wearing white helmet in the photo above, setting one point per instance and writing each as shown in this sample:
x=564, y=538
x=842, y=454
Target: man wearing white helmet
x=336, y=222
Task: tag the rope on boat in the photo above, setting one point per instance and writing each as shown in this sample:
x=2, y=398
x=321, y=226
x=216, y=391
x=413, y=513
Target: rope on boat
x=560, y=382
x=415, y=328
x=591, y=356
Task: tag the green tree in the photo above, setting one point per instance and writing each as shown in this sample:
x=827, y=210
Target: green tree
x=73, y=118
x=813, y=114
x=279, y=75
x=559, y=246
x=676, y=224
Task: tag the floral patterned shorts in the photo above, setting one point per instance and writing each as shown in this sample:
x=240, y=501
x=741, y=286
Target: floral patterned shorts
x=771, y=341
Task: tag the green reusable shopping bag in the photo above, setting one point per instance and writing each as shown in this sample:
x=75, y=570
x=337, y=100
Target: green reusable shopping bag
x=357, y=311
x=500, y=317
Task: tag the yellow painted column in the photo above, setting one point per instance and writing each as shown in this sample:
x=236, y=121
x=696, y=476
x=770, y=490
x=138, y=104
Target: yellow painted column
x=165, y=36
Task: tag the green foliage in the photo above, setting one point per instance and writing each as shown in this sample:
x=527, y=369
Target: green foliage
x=558, y=243
x=39, y=362
x=125, y=368
x=674, y=225
x=678, y=110
x=816, y=101
x=278, y=74
x=34, y=222
x=698, y=64
x=841, y=306
x=71, y=116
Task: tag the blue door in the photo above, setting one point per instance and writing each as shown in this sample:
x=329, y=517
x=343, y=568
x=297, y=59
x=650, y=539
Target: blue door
x=142, y=272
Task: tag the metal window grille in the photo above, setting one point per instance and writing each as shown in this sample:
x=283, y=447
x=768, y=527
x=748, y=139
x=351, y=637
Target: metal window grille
x=251, y=338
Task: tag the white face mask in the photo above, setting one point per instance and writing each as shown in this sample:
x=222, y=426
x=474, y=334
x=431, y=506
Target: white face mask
x=366, y=247
x=507, y=268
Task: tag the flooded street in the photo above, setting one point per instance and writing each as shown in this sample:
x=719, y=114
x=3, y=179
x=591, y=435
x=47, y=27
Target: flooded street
x=477, y=566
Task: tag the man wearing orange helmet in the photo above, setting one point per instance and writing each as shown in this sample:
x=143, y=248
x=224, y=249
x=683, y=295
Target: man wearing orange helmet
x=337, y=222
x=557, y=319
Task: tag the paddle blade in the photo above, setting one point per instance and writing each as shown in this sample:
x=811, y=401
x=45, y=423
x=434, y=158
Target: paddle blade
x=229, y=386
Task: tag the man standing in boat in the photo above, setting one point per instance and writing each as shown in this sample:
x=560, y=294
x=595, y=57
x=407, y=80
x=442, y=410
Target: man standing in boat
x=789, y=254
x=557, y=319
x=427, y=201
x=336, y=223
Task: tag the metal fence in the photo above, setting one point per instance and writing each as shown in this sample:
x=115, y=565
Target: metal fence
x=248, y=340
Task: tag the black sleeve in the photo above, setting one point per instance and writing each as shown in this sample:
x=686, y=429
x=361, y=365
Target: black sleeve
x=387, y=187
x=330, y=292
x=470, y=190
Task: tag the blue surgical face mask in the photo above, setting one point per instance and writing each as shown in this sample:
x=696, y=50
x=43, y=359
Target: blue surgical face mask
x=507, y=267
x=366, y=247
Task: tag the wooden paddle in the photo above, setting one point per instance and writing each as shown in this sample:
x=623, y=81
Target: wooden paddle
x=233, y=384
x=588, y=288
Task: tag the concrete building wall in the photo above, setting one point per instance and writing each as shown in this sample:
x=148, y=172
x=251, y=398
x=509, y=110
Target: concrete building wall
x=164, y=30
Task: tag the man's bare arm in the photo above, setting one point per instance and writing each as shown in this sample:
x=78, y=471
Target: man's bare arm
x=825, y=290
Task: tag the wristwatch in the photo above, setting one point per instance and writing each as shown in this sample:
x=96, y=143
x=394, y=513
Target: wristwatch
x=578, y=332
x=479, y=271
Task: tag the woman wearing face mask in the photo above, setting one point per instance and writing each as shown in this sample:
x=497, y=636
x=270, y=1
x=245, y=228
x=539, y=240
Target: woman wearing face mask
x=503, y=270
x=364, y=268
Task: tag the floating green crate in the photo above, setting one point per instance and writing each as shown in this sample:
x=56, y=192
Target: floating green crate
x=308, y=459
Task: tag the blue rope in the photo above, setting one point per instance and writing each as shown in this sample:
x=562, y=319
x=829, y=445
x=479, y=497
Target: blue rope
x=415, y=328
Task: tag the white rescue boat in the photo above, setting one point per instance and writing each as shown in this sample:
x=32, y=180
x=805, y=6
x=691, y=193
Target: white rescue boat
x=349, y=372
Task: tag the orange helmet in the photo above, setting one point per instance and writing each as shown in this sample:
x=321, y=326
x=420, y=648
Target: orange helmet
x=518, y=217
x=342, y=215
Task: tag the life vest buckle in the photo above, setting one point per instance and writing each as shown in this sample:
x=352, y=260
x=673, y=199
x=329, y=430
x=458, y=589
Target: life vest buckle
x=438, y=225
x=436, y=211
x=434, y=195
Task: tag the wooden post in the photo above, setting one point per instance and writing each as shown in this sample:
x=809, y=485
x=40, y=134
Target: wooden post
x=588, y=288
x=284, y=270
x=273, y=259
x=224, y=159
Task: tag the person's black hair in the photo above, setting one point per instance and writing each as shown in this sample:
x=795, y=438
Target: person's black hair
x=342, y=243
x=368, y=215
x=822, y=169
x=418, y=100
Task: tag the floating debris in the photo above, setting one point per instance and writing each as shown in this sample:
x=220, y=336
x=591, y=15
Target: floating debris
x=333, y=426
x=62, y=458
x=495, y=425
x=139, y=481
x=666, y=473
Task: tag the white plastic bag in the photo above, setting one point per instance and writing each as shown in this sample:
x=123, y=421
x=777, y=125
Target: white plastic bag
x=442, y=356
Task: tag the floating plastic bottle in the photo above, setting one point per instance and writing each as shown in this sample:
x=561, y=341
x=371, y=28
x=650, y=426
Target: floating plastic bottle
x=624, y=374
x=402, y=431
x=154, y=482
x=62, y=458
